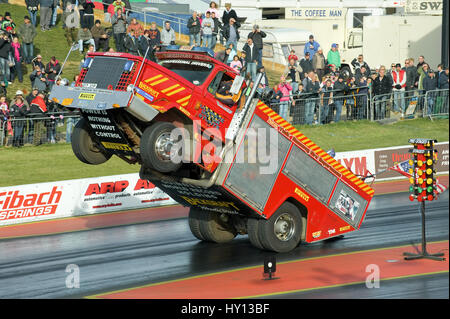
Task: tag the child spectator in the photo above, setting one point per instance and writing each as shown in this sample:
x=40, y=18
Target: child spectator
x=52, y=69
x=236, y=64
x=293, y=56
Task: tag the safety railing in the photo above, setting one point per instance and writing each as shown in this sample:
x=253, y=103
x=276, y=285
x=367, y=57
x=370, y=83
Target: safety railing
x=323, y=108
x=436, y=102
x=179, y=24
x=37, y=129
x=397, y=104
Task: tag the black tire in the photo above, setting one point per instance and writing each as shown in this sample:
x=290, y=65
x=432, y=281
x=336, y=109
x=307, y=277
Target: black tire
x=266, y=229
x=83, y=146
x=253, y=235
x=194, y=218
x=149, y=154
x=213, y=229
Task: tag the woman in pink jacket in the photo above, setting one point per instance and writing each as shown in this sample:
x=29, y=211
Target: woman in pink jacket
x=285, y=90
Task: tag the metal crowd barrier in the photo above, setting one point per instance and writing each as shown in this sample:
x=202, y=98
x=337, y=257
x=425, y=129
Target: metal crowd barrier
x=436, y=103
x=37, y=130
x=402, y=104
x=307, y=109
x=179, y=24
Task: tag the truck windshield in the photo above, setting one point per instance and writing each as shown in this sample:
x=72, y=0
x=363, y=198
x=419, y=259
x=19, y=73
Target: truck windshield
x=195, y=72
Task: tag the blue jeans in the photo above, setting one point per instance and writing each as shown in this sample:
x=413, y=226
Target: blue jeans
x=194, y=39
x=234, y=43
x=380, y=107
x=33, y=15
x=213, y=41
x=4, y=69
x=430, y=101
x=54, y=16
x=323, y=113
x=81, y=43
x=338, y=104
x=309, y=111
x=284, y=106
x=294, y=87
x=260, y=58
x=69, y=128
x=207, y=39
x=28, y=52
x=399, y=99
x=251, y=68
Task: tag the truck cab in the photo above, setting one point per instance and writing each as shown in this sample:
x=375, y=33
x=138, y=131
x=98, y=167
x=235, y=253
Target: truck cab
x=208, y=141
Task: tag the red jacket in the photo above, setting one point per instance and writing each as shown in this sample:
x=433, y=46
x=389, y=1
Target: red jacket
x=40, y=103
x=399, y=78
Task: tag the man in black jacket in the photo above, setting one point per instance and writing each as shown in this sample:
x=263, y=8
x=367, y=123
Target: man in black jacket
x=430, y=85
x=257, y=36
x=382, y=87
x=231, y=33
x=251, y=57
x=340, y=88
x=5, y=48
x=194, y=29
x=306, y=64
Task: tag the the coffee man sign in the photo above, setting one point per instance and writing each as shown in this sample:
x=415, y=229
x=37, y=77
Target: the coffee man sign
x=315, y=13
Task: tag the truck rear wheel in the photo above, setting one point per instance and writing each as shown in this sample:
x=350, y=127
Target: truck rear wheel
x=156, y=144
x=194, y=223
x=84, y=148
x=209, y=226
x=282, y=231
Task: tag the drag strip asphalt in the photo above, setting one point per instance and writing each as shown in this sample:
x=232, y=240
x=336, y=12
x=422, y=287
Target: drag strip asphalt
x=122, y=257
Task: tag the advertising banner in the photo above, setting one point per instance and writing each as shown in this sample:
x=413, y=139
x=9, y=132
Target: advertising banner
x=27, y=203
x=378, y=161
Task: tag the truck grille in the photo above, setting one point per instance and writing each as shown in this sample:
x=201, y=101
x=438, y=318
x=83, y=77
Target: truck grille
x=107, y=73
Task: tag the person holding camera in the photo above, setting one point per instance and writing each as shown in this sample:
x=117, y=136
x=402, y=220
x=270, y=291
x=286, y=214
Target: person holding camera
x=285, y=97
x=257, y=36
x=101, y=37
x=119, y=24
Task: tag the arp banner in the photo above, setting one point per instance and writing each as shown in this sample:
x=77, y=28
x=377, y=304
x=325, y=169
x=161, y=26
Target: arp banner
x=35, y=202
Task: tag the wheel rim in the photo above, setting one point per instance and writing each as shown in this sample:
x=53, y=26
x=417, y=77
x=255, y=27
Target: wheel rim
x=284, y=227
x=163, y=146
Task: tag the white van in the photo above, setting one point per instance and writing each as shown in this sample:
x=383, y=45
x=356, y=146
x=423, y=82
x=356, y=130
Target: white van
x=278, y=43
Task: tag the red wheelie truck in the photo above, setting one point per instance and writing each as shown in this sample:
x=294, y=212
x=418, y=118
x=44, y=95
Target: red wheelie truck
x=207, y=138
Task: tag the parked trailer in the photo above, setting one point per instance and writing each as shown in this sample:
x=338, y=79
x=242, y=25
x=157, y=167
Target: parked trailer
x=261, y=177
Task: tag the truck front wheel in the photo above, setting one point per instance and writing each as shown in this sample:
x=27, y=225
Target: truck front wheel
x=84, y=148
x=210, y=226
x=156, y=146
x=280, y=233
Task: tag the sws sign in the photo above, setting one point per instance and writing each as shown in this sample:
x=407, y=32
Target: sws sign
x=427, y=7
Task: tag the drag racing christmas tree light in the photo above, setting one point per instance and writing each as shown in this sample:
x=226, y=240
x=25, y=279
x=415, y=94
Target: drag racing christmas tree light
x=423, y=185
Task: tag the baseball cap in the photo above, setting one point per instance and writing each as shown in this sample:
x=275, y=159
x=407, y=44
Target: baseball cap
x=334, y=45
x=19, y=92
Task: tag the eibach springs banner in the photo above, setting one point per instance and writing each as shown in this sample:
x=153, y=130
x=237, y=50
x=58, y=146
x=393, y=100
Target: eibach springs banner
x=36, y=202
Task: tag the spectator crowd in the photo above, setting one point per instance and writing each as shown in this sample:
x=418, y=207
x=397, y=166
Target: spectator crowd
x=313, y=89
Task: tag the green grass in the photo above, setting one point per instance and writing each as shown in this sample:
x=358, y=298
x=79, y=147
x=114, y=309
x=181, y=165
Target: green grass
x=45, y=163
x=350, y=136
